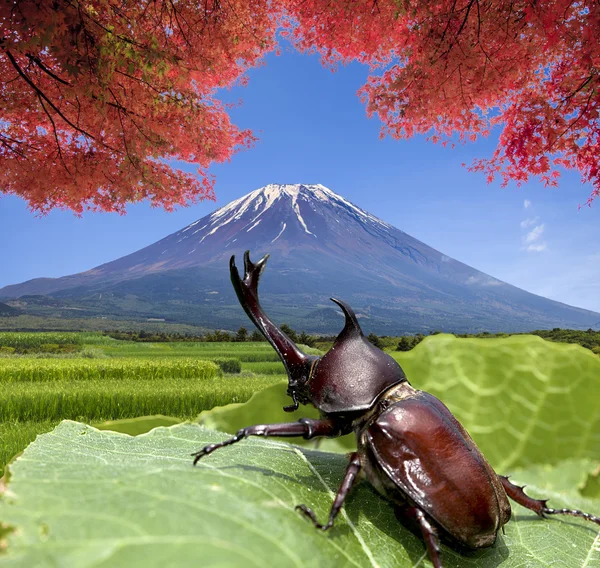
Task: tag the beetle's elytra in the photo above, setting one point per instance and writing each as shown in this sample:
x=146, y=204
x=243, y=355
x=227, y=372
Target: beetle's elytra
x=409, y=445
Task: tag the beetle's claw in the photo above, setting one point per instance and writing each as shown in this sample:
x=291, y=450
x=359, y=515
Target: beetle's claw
x=308, y=512
x=203, y=452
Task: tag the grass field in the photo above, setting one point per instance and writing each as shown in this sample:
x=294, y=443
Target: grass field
x=111, y=380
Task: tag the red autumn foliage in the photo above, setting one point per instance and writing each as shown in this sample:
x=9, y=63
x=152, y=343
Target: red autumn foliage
x=98, y=94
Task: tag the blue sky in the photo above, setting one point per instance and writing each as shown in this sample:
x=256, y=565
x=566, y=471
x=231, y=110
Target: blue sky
x=313, y=129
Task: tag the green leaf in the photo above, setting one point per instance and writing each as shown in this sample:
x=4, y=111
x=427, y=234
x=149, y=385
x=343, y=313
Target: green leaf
x=80, y=497
x=591, y=487
x=523, y=399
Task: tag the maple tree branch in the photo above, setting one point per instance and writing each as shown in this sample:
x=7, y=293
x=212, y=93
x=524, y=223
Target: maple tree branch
x=9, y=142
x=573, y=123
x=446, y=28
x=158, y=138
x=78, y=109
x=41, y=94
x=86, y=42
x=233, y=11
x=120, y=109
x=462, y=94
x=39, y=63
x=104, y=28
x=581, y=87
x=139, y=80
x=187, y=41
x=62, y=159
x=462, y=27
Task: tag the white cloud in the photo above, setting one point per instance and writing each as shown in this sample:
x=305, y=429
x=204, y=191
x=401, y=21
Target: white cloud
x=539, y=247
x=527, y=204
x=534, y=234
x=528, y=222
x=532, y=240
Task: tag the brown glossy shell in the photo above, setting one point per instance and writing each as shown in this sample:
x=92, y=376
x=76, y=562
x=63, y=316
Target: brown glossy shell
x=352, y=375
x=431, y=461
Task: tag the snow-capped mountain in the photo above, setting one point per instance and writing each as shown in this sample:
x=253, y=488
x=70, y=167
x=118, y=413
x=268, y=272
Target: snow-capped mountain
x=321, y=245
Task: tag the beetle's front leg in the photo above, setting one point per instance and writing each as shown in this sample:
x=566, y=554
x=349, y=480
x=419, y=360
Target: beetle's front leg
x=306, y=428
x=349, y=478
x=538, y=506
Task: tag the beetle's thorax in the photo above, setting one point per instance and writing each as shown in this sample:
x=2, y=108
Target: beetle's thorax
x=352, y=375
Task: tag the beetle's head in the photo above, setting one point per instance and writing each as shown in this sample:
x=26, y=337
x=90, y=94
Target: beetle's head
x=298, y=377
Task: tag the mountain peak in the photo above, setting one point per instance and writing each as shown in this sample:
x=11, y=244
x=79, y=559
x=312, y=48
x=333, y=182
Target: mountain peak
x=321, y=245
x=288, y=207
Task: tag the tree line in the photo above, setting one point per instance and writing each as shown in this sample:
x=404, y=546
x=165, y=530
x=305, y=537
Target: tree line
x=590, y=339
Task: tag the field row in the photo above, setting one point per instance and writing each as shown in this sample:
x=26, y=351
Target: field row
x=115, y=398
x=243, y=352
x=31, y=340
x=40, y=370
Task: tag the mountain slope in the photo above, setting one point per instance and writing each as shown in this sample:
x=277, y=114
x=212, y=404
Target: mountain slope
x=7, y=311
x=321, y=245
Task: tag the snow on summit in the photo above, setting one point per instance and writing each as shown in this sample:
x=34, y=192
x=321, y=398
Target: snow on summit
x=296, y=203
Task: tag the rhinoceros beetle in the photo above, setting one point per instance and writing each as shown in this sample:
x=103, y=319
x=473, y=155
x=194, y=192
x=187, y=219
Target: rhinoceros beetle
x=410, y=446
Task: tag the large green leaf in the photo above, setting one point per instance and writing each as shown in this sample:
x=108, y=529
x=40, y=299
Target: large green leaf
x=523, y=399
x=80, y=497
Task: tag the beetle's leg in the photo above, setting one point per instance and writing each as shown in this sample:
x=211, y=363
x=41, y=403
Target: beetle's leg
x=305, y=427
x=538, y=506
x=349, y=478
x=430, y=536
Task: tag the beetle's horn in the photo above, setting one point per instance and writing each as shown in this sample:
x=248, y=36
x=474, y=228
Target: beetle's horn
x=352, y=326
x=297, y=364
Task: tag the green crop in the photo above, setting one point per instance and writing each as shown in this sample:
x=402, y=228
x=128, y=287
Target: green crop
x=228, y=364
x=30, y=408
x=22, y=340
x=40, y=370
x=16, y=436
x=122, y=398
x=110, y=379
x=265, y=367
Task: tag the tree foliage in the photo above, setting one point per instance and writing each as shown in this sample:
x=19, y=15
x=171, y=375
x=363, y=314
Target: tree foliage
x=97, y=94
x=456, y=69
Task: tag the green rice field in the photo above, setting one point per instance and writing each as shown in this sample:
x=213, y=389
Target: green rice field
x=106, y=379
